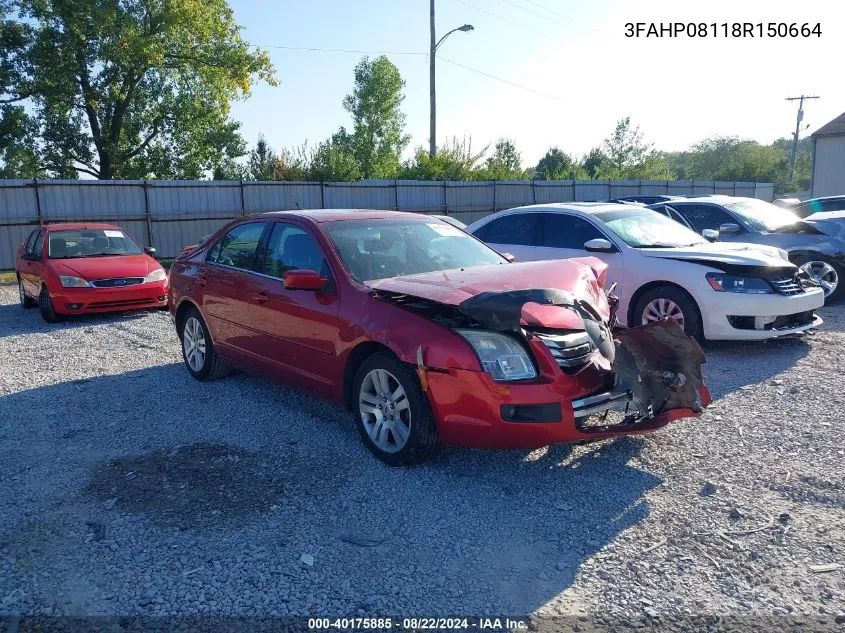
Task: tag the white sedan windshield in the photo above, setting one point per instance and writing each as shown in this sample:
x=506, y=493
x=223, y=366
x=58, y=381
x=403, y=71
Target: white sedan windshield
x=643, y=228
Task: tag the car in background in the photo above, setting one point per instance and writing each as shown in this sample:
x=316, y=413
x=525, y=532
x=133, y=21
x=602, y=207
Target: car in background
x=67, y=269
x=816, y=243
x=645, y=199
x=662, y=269
x=427, y=334
x=818, y=205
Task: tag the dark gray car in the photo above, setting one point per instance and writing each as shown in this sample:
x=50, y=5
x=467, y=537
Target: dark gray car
x=815, y=243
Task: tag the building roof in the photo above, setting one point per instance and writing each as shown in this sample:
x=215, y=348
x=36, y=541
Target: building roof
x=834, y=128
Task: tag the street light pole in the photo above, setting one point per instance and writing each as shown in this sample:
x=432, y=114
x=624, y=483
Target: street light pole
x=433, y=46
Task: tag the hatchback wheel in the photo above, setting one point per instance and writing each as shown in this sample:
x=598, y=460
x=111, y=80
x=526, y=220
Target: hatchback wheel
x=45, y=307
x=392, y=412
x=26, y=300
x=827, y=276
x=668, y=302
x=201, y=359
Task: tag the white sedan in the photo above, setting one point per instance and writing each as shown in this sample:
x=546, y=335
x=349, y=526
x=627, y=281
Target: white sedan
x=717, y=291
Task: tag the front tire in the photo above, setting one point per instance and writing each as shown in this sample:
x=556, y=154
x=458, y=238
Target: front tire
x=198, y=351
x=824, y=271
x=45, y=307
x=26, y=301
x=668, y=301
x=392, y=412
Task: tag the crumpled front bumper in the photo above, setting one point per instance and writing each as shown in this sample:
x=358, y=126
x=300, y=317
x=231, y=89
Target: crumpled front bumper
x=656, y=375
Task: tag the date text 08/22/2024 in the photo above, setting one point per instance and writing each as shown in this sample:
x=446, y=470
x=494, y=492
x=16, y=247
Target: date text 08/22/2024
x=723, y=29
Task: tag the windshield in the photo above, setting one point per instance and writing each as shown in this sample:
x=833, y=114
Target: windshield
x=90, y=243
x=762, y=216
x=378, y=249
x=643, y=228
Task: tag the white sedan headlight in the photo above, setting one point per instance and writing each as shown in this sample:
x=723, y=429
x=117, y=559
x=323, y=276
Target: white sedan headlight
x=500, y=355
x=157, y=275
x=73, y=282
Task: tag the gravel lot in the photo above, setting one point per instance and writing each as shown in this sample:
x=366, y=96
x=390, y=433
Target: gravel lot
x=130, y=488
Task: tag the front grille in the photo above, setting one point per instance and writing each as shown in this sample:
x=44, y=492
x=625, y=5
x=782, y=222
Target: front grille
x=117, y=282
x=787, y=285
x=570, y=350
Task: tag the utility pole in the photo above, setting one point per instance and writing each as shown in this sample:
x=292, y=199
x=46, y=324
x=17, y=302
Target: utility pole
x=798, y=120
x=432, y=131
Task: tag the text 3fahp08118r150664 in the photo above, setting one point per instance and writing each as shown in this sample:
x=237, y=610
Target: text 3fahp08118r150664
x=723, y=29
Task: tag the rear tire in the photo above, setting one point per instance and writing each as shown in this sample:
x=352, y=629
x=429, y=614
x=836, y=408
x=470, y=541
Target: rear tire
x=398, y=429
x=668, y=301
x=26, y=301
x=824, y=269
x=198, y=351
x=45, y=307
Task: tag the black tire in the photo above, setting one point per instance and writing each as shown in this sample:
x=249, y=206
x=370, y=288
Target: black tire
x=212, y=367
x=45, y=307
x=422, y=441
x=27, y=302
x=805, y=258
x=687, y=305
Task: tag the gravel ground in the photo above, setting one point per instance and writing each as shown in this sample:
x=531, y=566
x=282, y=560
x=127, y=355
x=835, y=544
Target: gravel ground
x=130, y=488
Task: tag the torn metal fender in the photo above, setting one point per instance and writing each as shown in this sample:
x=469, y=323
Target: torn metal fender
x=661, y=367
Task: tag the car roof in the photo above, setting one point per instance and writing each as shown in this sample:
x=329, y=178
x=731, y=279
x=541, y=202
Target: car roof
x=334, y=215
x=589, y=208
x=71, y=226
x=824, y=198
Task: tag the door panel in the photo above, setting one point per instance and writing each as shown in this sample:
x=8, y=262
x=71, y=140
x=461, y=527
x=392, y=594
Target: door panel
x=298, y=330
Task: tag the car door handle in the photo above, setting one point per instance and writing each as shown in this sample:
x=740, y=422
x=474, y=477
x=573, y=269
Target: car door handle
x=261, y=296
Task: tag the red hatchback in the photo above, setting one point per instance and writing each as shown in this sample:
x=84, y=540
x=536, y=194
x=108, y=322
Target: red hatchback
x=69, y=269
x=426, y=333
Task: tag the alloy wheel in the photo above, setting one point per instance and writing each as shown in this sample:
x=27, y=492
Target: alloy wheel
x=662, y=308
x=385, y=410
x=822, y=274
x=193, y=343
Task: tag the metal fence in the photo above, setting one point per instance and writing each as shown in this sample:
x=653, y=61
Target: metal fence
x=169, y=214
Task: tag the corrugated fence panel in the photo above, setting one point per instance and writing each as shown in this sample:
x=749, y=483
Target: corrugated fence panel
x=424, y=196
x=725, y=188
x=17, y=201
x=703, y=187
x=748, y=189
x=10, y=238
x=187, y=198
x=619, y=188
x=279, y=196
x=63, y=200
x=469, y=196
x=653, y=187
x=170, y=237
x=765, y=191
x=554, y=191
x=679, y=187
x=513, y=193
x=592, y=190
x=367, y=194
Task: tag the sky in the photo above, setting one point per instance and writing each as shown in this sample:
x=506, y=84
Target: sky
x=578, y=73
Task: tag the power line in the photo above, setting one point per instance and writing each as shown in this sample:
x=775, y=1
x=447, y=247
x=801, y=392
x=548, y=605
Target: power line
x=336, y=50
x=508, y=20
x=499, y=79
x=558, y=13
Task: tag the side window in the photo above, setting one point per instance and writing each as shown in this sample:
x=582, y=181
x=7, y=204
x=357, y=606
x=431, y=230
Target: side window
x=290, y=248
x=674, y=215
x=567, y=231
x=30, y=241
x=519, y=229
x=837, y=204
x=703, y=216
x=38, y=245
x=237, y=248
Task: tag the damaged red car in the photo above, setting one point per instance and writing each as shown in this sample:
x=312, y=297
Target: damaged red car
x=428, y=335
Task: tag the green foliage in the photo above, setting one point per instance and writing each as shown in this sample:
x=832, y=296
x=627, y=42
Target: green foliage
x=377, y=138
x=131, y=88
x=504, y=164
x=334, y=161
x=593, y=162
x=262, y=161
x=630, y=158
x=558, y=165
x=452, y=161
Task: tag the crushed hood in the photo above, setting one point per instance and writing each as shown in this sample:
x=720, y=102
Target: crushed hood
x=728, y=253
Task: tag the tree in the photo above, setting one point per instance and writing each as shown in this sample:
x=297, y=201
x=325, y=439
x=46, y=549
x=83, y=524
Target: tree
x=629, y=158
x=377, y=138
x=505, y=163
x=593, y=162
x=334, y=161
x=262, y=161
x=558, y=165
x=131, y=88
x=452, y=161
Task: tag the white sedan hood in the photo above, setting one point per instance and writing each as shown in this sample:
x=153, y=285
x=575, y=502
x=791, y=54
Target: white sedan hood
x=731, y=253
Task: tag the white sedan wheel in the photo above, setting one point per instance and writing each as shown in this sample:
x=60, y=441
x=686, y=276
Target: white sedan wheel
x=660, y=308
x=822, y=274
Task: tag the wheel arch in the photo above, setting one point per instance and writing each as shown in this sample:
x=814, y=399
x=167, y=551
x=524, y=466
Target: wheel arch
x=182, y=310
x=357, y=355
x=637, y=295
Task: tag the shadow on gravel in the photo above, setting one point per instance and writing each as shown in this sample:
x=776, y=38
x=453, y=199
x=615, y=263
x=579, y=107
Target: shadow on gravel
x=15, y=321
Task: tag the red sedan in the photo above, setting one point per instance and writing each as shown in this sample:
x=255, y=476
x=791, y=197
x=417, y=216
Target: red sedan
x=425, y=333
x=69, y=269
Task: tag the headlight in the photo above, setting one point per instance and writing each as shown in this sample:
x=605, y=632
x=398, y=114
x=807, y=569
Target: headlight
x=73, y=282
x=730, y=283
x=500, y=355
x=156, y=275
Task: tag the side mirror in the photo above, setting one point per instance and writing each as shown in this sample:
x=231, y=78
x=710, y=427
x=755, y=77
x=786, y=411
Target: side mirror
x=509, y=257
x=304, y=280
x=710, y=234
x=730, y=229
x=599, y=245
x=149, y=250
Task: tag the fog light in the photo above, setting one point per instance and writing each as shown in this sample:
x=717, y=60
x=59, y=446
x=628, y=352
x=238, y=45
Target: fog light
x=761, y=322
x=73, y=306
x=162, y=298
